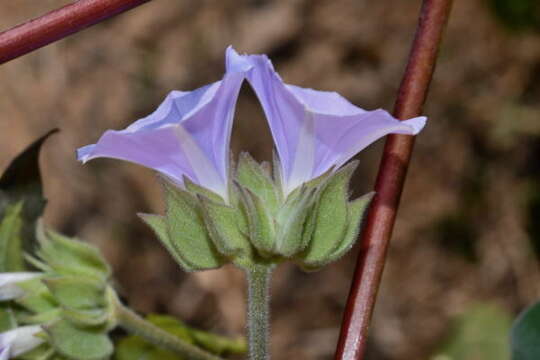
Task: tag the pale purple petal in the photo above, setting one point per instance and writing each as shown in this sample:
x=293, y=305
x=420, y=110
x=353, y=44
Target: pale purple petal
x=4, y=353
x=188, y=135
x=20, y=340
x=8, y=284
x=316, y=130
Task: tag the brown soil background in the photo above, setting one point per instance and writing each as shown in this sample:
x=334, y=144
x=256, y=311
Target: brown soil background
x=467, y=226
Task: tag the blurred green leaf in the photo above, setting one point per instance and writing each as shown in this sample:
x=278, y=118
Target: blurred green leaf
x=11, y=252
x=517, y=14
x=525, y=334
x=136, y=348
x=21, y=183
x=7, y=318
x=480, y=333
x=79, y=343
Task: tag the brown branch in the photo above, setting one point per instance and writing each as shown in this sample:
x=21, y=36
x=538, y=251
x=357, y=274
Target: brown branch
x=58, y=24
x=390, y=180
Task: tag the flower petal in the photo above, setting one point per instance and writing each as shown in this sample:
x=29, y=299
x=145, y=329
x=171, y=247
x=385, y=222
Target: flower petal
x=4, y=353
x=19, y=340
x=316, y=130
x=189, y=133
x=8, y=284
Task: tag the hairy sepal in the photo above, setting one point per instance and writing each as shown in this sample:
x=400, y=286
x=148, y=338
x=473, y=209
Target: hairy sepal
x=262, y=232
x=290, y=222
x=256, y=178
x=227, y=227
x=329, y=219
x=187, y=232
x=357, y=209
x=158, y=224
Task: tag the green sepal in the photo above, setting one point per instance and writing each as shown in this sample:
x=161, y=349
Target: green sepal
x=187, y=230
x=79, y=343
x=11, y=241
x=87, y=318
x=331, y=217
x=77, y=292
x=226, y=226
x=261, y=224
x=159, y=225
x=290, y=222
x=276, y=173
x=66, y=256
x=42, y=352
x=256, y=178
x=44, y=317
x=196, y=189
x=357, y=211
x=37, y=297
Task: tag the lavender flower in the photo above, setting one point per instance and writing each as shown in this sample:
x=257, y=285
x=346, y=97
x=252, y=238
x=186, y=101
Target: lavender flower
x=315, y=131
x=19, y=340
x=188, y=134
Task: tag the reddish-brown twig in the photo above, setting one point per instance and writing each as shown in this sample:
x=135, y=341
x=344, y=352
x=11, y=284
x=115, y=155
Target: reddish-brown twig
x=390, y=180
x=58, y=24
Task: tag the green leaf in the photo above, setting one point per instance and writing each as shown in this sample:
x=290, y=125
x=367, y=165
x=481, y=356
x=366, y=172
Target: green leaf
x=21, y=182
x=480, y=333
x=11, y=244
x=77, y=292
x=159, y=225
x=217, y=344
x=187, y=230
x=79, y=343
x=525, y=334
x=136, y=348
x=331, y=217
x=255, y=178
x=171, y=325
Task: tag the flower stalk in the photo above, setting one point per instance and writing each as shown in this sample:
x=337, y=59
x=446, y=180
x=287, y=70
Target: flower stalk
x=259, y=311
x=390, y=180
x=136, y=325
x=58, y=24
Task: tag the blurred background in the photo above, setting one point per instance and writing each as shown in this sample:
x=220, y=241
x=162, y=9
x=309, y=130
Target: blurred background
x=467, y=241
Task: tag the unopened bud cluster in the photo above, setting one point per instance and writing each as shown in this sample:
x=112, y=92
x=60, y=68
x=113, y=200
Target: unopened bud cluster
x=71, y=300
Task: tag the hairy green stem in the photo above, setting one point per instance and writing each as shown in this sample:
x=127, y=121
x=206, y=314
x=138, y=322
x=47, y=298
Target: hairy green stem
x=136, y=325
x=258, y=311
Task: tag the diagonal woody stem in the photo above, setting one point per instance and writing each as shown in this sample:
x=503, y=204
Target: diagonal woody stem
x=390, y=179
x=58, y=24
